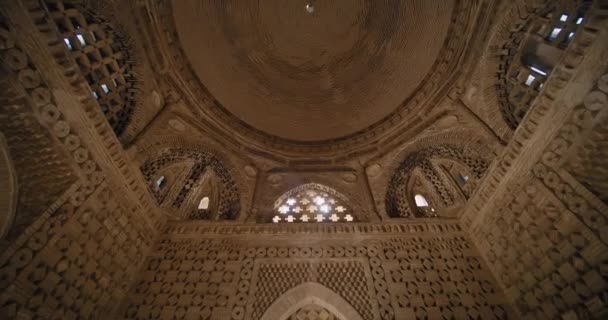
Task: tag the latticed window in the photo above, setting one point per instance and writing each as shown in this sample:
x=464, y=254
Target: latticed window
x=534, y=52
x=102, y=57
x=312, y=203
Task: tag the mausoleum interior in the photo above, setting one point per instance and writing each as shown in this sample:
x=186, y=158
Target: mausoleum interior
x=304, y=159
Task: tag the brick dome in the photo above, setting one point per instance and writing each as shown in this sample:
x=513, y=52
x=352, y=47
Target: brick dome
x=313, y=76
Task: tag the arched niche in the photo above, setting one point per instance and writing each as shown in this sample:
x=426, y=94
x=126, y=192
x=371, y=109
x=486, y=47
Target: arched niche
x=165, y=181
x=8, y=189
x=306, y=294
x=418, y=185
x=433, y=172
x=199, y=173
x=207, y=194
x=458, y=174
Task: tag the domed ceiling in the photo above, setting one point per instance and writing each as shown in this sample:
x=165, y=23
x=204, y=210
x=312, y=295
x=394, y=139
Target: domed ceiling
x=312, y=76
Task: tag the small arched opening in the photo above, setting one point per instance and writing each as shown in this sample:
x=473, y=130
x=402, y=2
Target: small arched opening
x=204, y=203
x=420, y=201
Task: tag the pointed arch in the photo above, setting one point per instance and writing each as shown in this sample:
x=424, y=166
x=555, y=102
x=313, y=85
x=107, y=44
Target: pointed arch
x=207, y=197
x=201, y=167
x=421, y=172
x=310, y=293
x=153, y=147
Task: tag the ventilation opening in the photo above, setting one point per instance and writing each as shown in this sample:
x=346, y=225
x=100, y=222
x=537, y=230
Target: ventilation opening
x=161, y=182
x=554, y=34
x=463, y=179
x=204, y=204
x=420, y=201
x=102, y=55
x=530, y=80
x=539, y=71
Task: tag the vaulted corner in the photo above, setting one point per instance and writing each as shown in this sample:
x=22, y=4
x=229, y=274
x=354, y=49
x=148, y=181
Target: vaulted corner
x=303, y=159
x=433, y=181
x=182, y=179
x=103, y=56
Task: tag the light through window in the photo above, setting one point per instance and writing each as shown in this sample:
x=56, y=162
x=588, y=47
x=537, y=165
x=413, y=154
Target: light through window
x=539, y=71
x=67, y=43
x=420, y=201
x=311, y=205
x=81, y=40
x=554, y=33
x=160, y=182
x=530, y=80
x=103, y=57
x=463, y=179
x=204, y=204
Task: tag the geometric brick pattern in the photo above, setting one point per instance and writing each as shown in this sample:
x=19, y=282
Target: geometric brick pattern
x=398, y=199
x=100, y=54
x=548, y=262
x=77, y=264
x=24, y=97
x=229, y=204
x=420, y=278
x=519, y=81
x=439, y=278
x=85, y=236
x=346, y=278
x=587, y=151
x=312, y=312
